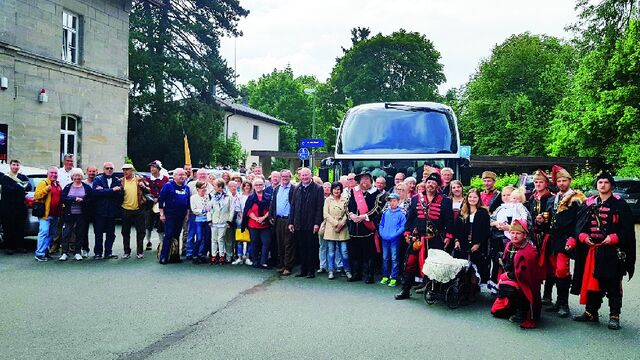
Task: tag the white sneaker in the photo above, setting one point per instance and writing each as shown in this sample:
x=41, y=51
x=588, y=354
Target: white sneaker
x=64, y=257
x=248, y=262
x=140, y=256
x=84, y=254
x=238, y=261
x=78, y=257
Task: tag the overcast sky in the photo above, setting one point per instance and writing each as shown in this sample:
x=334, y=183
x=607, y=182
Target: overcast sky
x=308, y=35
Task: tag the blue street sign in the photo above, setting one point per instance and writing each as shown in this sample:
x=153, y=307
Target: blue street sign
x=303, y=153
x=312, y=143
x=465, y=151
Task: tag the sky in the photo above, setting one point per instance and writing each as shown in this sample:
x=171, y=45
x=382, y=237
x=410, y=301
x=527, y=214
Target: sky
x=308, y=35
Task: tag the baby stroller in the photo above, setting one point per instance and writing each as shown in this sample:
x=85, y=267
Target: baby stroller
x=447, y=278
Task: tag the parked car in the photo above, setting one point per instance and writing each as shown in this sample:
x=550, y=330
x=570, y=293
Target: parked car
x=629, y=190
x=36, y=175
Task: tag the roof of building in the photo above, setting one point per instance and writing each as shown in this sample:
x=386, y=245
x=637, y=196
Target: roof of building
x=230, y=106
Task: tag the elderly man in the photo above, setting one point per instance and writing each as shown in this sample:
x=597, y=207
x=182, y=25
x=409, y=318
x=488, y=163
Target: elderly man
x=400, y=176
x=156, y=180
x=351, y=184
x=447, y=175
x=13, y=211
x=363, y=214
x=274, y=180
x=189, y=227
x=257, y=170
x=134, y=188
x=280, y=210
x=606, y=251
x=107, y=191
x=173, y=203
x=304, y=221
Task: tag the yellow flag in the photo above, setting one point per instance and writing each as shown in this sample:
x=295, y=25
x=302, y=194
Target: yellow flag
x=187, y=153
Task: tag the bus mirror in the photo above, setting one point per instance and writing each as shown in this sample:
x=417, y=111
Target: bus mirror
x=327, y=162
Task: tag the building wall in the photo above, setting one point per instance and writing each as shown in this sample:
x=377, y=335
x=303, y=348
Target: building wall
x=268, y=135
x=95, y=90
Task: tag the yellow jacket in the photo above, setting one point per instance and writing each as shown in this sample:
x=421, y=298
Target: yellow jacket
x=43, y=195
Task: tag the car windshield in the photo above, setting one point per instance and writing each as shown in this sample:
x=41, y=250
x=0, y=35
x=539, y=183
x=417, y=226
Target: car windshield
x=398, y=131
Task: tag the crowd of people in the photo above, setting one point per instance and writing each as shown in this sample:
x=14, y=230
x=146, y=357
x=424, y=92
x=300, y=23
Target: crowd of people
x=519, y=248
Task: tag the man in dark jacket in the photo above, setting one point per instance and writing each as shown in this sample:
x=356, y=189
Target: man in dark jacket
x=304, y=221
x=606, y=251
x=13, y=211
x=279, y=211
x=108, y=197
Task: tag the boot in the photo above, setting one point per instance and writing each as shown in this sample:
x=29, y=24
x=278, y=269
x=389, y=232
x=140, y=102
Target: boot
x=548, y=290
x=407, y=283
x=562, y=303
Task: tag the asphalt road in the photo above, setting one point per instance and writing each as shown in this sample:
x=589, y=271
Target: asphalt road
x=138, y=309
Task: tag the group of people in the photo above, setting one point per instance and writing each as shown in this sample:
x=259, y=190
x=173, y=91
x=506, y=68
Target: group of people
x=353, y=228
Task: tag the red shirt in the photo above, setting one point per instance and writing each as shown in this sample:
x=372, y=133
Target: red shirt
x=55, y=208
x=252, y=224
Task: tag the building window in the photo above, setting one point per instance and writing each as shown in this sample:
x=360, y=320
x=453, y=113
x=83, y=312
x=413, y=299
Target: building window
x=69, y=137
x=70, y=48
x=256, y=132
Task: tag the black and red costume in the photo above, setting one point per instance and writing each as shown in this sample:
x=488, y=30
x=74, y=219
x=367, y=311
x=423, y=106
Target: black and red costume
x=519, y=284
x=362, y=247
x=539, y=203
x=599, y=268
x=470, y=231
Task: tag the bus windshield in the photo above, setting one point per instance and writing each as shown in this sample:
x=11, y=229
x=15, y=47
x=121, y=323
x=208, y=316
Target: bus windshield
x=367, y=130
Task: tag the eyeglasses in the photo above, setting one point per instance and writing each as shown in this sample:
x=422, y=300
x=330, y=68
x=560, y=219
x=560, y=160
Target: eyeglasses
x=351, y=179
x=108, y=168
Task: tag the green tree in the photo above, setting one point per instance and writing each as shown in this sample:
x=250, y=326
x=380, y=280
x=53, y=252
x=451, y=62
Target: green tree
x=508, y=104
x=228, y=151
x=601, y=114
x=173, y=54
x=401, y=66
x=600, y=25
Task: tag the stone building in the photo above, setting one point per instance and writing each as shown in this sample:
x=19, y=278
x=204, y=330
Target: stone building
x=64, y=71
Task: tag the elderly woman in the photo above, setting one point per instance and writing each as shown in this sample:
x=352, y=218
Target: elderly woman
x=411, y=186
x=256, y=219
x=335, y=233
x=49, y=193
x=75, y=197
x=326, y=188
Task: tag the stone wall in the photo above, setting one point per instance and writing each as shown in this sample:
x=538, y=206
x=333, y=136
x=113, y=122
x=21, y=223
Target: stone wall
x=95, y=90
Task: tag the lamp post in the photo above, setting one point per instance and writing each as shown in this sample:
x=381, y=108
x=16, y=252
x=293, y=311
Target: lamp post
x=312, y=92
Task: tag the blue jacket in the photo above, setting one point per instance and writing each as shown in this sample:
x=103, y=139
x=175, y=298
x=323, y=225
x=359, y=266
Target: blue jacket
x=107, y=202
x=174, y=199
x=392, y=224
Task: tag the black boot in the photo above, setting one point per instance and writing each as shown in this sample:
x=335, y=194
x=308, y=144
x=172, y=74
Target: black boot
x=562, y=303
x=548, y=290
x=407, y=283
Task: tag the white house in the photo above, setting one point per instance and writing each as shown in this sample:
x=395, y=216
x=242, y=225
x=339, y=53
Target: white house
x=256, y=130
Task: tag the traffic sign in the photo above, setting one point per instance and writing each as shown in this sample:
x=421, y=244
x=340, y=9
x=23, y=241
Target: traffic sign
x=303, y=153
x=312, y=143
x=465, y=151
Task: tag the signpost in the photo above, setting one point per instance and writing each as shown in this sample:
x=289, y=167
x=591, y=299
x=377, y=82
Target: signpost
x=303, y=153
x=465, y=151
x=312, y=143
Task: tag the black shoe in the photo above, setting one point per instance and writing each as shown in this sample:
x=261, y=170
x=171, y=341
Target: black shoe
x=163, y=261
x=614, y=323
x=149, y=245
x=403, y=295
x=301, y=275
x=189, y=258
x=586, y=317
x=111, y=256
x=547, y=301
x=553, y=308
x=311, y=275
x=516, y=318
x=9, y=252
x=369, y=280
x=97, y=257
x=563, y=311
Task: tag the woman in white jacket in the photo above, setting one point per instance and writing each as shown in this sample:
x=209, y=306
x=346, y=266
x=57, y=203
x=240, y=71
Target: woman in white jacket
x=221, y=217
x=201, y=208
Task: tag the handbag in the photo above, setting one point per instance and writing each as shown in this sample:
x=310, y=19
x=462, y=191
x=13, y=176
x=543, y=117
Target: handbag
x=38, y=209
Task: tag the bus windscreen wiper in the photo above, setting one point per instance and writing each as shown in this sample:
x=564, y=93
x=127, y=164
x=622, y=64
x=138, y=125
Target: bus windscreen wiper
x=407, y=107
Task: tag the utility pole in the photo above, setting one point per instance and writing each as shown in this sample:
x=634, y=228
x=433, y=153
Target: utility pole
x=312, y=92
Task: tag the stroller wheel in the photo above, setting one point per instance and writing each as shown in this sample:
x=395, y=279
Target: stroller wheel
x=452, y=296
x=429, y=293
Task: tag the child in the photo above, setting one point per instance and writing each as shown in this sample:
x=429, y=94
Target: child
x=201, y=208
x=390, y=231
x=221, y=216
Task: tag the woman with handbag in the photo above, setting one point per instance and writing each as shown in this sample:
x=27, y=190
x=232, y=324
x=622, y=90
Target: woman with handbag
x=48, y=208
x=75, y=197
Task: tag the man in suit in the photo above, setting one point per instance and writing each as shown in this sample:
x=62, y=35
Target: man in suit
x=108, y=195
x=279, y=211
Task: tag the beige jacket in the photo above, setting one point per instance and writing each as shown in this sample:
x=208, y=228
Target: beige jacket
x=335, y=212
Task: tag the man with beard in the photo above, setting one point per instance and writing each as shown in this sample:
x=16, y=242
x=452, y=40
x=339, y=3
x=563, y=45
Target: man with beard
x=429, y=226
x=605, y=252
x=538, y=205
x=563, y=210
x=363, y=213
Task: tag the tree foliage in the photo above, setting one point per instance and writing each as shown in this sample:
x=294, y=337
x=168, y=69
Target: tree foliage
x=228, y=151
x=176, y=69
x=508, y=104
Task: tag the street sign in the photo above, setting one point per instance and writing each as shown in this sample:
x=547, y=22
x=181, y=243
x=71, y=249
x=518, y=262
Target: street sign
x=303, y=153
x=465, y=151
x=312, y=143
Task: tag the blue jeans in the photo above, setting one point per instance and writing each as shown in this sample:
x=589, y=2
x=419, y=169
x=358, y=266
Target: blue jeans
x=339, y=248
x=390, y=250
x=203, y=236
x=260, y=237
x=46, y=232
x=240, y=246
x=191, y=234
x=323, y=252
